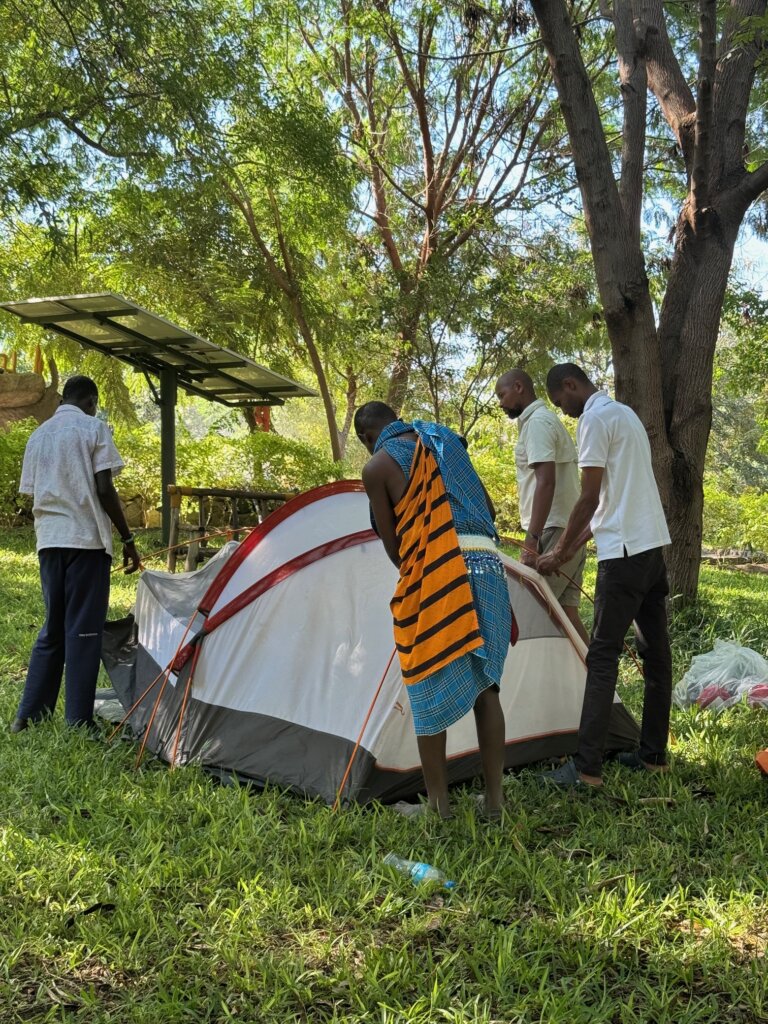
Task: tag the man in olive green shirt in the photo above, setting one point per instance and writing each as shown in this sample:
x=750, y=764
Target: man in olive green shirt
x=548, y=485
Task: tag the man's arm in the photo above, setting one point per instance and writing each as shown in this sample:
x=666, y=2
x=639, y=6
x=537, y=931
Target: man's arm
x=110, y=502
x=375, y=482
x=577, y=532
x=543, y=494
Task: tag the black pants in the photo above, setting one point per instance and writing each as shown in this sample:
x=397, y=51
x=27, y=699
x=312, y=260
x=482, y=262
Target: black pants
x=628, y=589
x=76, y=593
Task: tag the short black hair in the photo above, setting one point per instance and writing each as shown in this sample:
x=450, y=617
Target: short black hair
x=372, y=415
x=78, y=388
x=562, y=372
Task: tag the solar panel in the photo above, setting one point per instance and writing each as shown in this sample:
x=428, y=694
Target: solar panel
x=116, y=327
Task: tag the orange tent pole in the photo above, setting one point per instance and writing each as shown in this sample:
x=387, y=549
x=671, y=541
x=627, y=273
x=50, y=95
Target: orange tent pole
x=187, y=689
x=337, y=801
x=559, y=572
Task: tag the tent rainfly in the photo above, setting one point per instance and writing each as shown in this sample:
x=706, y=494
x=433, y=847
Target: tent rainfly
x=276, y=661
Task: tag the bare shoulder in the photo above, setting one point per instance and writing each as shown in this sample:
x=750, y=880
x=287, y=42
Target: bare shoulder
x=376, y=467
x=381, y=468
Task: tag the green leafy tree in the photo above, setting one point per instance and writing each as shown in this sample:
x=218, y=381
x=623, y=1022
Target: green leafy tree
x=715, y=159
x=448, y=124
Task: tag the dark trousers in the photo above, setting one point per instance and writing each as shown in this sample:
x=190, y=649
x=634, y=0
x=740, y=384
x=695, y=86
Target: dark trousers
x=76, y=593
x=629, y=589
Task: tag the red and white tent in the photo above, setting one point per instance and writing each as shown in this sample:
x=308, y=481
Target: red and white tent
x=276, y=661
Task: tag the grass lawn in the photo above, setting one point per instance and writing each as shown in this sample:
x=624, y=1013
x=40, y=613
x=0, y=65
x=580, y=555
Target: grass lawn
x=158, y=897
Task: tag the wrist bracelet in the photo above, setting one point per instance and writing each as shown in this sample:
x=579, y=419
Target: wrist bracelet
x=536, y=536
x=127, y=540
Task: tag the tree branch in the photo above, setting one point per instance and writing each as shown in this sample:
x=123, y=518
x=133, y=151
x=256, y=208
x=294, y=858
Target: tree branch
x=755, y=183
x=377, y=178
x=630, y=48
x=734, y=79
x=667, y=81
x=419, y=99
x=96, y=143
x=702, y=147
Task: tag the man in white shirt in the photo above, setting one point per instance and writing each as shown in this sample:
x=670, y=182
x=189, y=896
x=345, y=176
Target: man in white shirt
x=620, y=506
x=68, y=465
x=547, y=485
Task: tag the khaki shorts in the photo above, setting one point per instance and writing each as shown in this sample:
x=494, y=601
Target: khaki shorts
x=567, y=593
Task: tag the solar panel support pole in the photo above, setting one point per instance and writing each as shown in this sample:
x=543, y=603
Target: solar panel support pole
x=168, y=391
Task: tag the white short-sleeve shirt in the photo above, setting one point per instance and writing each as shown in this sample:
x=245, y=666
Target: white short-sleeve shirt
x=60, y=462
x=630, y=515
x=543, y=438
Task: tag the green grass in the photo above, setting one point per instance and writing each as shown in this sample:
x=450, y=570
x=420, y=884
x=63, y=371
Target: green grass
x=155, y=897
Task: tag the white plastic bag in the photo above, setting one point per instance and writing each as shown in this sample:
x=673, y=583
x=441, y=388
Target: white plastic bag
x=722, y=677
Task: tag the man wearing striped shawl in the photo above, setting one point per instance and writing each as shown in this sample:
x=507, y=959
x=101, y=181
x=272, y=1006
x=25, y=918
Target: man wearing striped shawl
x=451, y=611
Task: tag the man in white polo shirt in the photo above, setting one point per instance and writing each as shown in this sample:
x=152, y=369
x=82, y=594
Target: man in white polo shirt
x=547, y=485
x=68, y=467
x=620, y=506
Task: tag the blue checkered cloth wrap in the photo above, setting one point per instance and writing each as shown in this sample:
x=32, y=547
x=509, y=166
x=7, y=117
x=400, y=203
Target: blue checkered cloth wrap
x=450, y=693
x=462, y=484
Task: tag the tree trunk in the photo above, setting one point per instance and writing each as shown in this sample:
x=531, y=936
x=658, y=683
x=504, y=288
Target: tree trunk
x=401, y=369
x=665, y=374
x=351, y=400
x=322, y=380
x=398, y=378
x=688, y=393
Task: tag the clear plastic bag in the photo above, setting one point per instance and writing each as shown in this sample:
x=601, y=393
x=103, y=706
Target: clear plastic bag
x=722, y=677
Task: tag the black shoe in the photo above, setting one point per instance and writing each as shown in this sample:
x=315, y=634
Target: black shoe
x=19, y=724
x=631, y=759
x=567, y=776
x=90, y=730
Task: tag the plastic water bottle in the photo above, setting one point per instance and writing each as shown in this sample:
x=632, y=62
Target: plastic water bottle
x=418, y=871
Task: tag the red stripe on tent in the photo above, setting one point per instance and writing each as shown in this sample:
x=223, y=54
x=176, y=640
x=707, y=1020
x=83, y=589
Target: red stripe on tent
x=266, y=583
x=547, y=604
x=257, y=535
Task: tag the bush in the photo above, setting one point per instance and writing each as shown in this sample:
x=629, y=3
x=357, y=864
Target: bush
x=735, y=521
x=13, y=440
x=493, y=456
x=258, y=461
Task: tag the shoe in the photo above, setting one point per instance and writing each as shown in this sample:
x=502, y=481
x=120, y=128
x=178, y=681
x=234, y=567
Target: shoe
x=19, y=724
x=90, y=730
x=631, y=759
x=566, y=777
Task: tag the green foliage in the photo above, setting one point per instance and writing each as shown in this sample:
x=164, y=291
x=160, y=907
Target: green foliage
x=735, y=520
x=492, y=449
x=257, y=461
x=13, y=440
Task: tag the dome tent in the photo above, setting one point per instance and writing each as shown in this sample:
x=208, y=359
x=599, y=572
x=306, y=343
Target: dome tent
x=276, y=661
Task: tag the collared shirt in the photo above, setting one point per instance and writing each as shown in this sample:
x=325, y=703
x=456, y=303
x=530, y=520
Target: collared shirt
x=60, y=462
x=543, y=438
x=629, y=516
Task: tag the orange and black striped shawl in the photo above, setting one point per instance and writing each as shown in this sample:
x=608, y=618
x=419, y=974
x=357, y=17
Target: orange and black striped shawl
x=434, y=615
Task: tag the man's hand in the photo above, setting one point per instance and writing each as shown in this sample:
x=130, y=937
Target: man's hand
x=130, y=555
x=550, y=563
x=529, y=557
